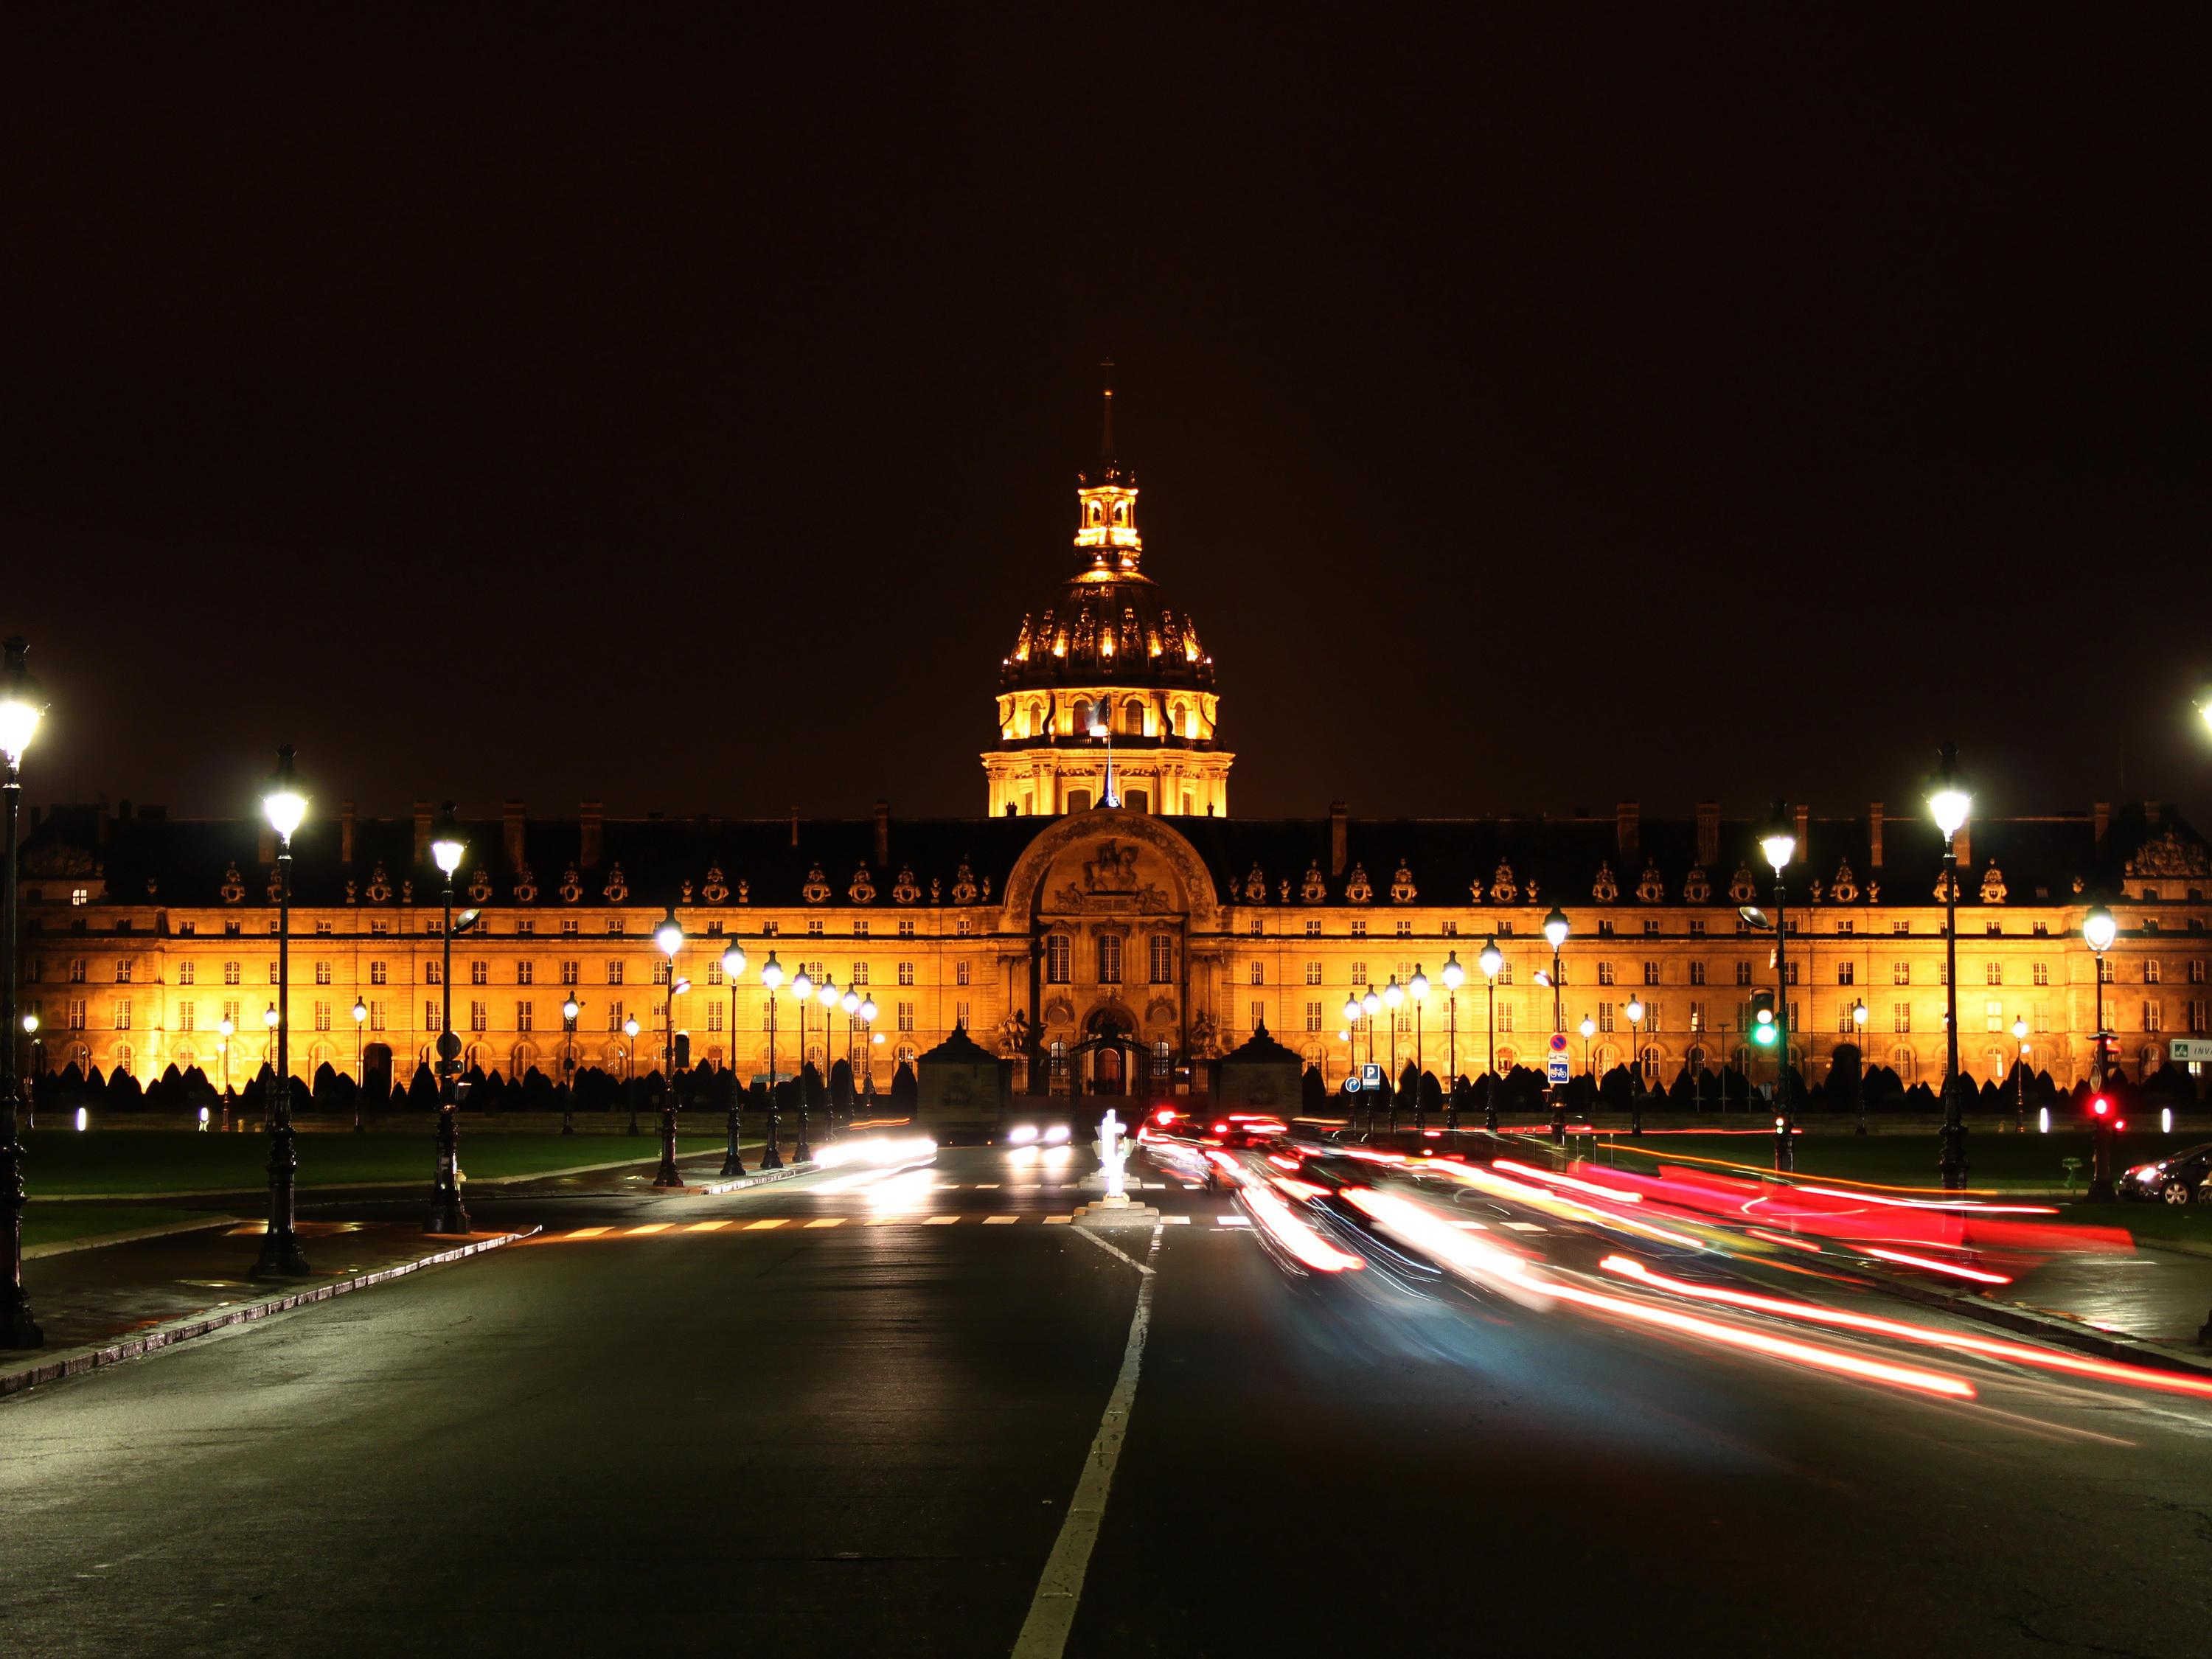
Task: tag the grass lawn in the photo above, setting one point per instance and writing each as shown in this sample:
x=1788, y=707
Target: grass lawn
x=2171, y=1221
x=60, y=1162
x=57, y=1224
x=1993, y=1161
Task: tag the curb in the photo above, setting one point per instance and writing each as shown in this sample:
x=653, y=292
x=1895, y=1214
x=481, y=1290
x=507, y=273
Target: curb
x=758, y=1178
x=365, y=1186
x=2179, y=1246
x=75, y=1361
x=2052, y=1327
x=101, y=1240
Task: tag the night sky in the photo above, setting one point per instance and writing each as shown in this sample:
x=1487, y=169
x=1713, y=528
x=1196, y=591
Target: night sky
x=1528, y=419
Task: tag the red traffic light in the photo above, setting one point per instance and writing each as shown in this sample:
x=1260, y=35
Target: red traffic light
x=2100, y=1106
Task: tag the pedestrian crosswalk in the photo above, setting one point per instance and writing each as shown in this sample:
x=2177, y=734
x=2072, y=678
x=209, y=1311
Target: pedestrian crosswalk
x=826, y=1223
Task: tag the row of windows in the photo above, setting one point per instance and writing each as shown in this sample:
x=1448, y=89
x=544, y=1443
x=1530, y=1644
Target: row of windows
x=1059, y=952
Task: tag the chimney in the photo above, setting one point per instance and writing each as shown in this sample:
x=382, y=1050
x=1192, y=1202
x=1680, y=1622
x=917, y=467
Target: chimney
x=1804, y=823
x=1708, y=833
x=794, y=823
x=264, y=847
x=589, y=818
x=2103, y=819
x=1339, y=853
x=883, y=835
x=1625, y=815
x=421, y=832
x=510, y=825
x=345, y=832
x=1964, y=841
x=2150, y=813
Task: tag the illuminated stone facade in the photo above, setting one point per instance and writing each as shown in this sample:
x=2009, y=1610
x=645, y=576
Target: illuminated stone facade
x=1107, y=947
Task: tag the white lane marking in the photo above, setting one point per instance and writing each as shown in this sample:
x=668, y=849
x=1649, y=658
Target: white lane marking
x=1232, y=1221
x=1526, y=1226
x=1115, y=1249
x=1052, y=1611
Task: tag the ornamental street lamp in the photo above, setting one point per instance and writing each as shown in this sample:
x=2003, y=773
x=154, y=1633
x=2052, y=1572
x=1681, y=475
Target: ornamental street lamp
x=1454, y=976
x=850, y=1002
x=1635, y=1013
x=1371, y=1005
x=37, y=1057
x=829, y=996
x=771, y=976
x=448, y=1213
x=1588, y=1028
x=281, y=1256
x=359, y=1070
x=1555, y=933
x=225, y=1028
x=22, y=705
x=868, y=1013
x=669, y=936
x=802, y=990
x=1777, y=844
x=1858, y=1036
x=1949, y=802
x=1392, y=995
x=1418, y=988
x=2098, y=932
x=569, y=1009
x=1492, y=962
x=733, y=967
x=2020, y=1095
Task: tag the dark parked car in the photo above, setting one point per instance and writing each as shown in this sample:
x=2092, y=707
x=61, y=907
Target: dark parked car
x=2181, y=1177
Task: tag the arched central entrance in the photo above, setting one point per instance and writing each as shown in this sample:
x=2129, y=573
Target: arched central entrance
x=1108, y=1036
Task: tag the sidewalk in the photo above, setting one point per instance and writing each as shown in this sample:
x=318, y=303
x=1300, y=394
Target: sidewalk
x=2162, y=1296
x=88, y=1297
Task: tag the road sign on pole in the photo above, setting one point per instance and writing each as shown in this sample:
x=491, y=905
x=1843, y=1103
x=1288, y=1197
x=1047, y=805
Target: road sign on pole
x=2185, y=1049
x=1559, y=1043
x=1555, y=1069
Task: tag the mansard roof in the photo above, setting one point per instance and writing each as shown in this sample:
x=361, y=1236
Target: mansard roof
x=832, y=862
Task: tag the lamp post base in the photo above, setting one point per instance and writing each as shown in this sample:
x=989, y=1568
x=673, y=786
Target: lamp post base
x=1559, y=1121
x=731, y=1164
x=666, y=1174
x=448, y=1213
x=18, y=1328
x=802, y=1153
x=281, y=1257
x=1951, y=1161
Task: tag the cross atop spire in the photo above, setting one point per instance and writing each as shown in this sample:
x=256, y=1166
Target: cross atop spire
x=1106, y=443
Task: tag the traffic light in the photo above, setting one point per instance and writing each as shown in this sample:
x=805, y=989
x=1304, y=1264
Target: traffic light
x=1763, y=1029
x=2100, y=1106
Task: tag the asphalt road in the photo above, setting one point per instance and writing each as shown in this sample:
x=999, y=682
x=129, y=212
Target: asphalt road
x=862, y=1436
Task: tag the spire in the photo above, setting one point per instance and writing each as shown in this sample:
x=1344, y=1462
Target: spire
x=1107, y=534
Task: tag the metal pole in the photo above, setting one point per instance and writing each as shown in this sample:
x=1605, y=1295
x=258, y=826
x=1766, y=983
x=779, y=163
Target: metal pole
x=18, y=1329
x=2100, y=1130
x=1490, y=1094
x=1559, y=1095
x=666, y=1174
x=281, y=1257
x=448, y=1213
x=1952, y=1159
x=773, y=1158
x=1451, y=1060
x=1785, y=1151
x=733, y=1164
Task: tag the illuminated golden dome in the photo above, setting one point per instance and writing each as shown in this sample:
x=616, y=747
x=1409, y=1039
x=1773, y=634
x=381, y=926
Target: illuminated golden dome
x=1109, y=625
